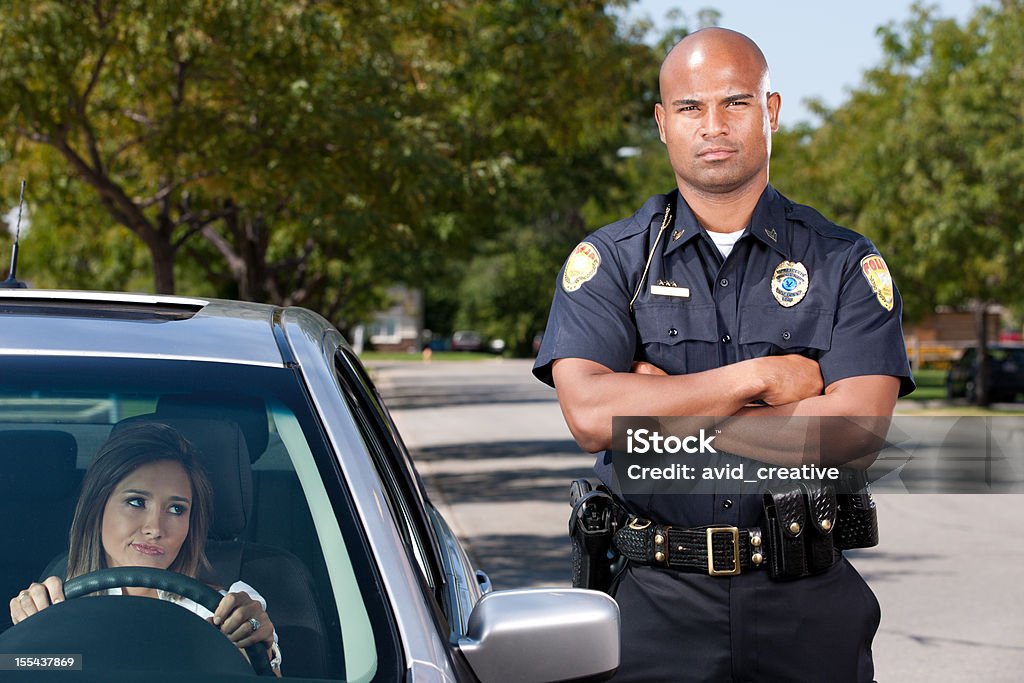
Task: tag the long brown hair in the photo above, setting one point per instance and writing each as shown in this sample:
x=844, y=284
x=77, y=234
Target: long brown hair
x=124, y=452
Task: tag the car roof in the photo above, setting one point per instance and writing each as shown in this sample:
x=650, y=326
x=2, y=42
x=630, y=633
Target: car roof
x=79, y=323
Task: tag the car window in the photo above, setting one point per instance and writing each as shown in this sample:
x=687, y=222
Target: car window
x=282, y=520
x=402, y=487
x=445, y=567
x=1001, y=354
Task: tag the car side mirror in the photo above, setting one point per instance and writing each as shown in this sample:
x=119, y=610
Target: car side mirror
x=543, y=634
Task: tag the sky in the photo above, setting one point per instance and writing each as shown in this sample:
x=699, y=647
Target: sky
x=814, y=49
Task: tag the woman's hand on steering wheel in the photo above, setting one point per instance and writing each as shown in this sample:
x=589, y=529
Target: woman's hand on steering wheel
x=243, y=620
x=36, y=598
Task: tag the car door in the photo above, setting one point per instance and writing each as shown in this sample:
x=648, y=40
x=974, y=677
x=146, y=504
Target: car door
x=450, y=583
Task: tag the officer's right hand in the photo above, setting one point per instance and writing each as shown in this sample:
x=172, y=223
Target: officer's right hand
x=790, y=378
x=36, y=597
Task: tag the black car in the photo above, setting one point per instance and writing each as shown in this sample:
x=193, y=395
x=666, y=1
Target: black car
x=1006, y=374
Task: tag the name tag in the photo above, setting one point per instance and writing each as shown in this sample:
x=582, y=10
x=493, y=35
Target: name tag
x=662, y=290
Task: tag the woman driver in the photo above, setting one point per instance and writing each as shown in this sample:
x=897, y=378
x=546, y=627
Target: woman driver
x=145, y=502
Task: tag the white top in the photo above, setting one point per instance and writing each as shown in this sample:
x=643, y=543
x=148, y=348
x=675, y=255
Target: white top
x=725, y=241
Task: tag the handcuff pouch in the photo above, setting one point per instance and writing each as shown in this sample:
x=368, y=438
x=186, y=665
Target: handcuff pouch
x=857, y=522
x=821, y=522
x=786, y=516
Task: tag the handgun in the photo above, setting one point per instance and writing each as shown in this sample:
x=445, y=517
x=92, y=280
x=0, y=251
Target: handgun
x=590, y=528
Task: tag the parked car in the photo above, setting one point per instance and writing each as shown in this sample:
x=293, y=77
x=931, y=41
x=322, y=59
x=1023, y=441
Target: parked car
x=1006, y=373
x=467, y=340
x=316, y=503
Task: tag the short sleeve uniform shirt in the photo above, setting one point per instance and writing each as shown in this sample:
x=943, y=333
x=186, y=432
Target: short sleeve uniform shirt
x=627, y=294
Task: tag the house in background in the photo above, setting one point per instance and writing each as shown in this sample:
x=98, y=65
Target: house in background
x=398, y=328
x=942, y=336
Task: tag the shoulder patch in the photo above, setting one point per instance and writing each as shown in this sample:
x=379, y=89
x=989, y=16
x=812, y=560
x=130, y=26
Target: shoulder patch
x=582, y=265
x=877, y=274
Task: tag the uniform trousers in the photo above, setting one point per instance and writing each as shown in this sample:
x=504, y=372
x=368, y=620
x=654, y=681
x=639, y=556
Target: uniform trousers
x=679, y=626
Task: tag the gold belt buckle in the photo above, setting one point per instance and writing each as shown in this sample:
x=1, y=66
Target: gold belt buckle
x=735, y=532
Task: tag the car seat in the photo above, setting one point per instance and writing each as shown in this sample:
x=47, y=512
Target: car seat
x=38, y=491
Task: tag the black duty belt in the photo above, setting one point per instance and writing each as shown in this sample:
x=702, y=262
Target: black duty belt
x=715, y=550
x=806, y=526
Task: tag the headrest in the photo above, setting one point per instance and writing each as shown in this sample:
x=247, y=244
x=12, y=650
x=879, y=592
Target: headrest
x=249, y=412
x=224, y=456
x=37, y=463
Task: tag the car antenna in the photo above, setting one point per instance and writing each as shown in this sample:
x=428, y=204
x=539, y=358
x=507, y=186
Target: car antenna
x=12, y=281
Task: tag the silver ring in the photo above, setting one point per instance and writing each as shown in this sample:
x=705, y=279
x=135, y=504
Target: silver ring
x=255, y=623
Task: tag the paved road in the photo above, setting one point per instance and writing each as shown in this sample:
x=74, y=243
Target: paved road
x=493, y=448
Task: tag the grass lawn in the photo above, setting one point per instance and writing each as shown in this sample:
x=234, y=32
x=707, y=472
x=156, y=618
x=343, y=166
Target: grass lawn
x=931, y=384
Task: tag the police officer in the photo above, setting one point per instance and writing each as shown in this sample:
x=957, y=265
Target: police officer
x=724, y=298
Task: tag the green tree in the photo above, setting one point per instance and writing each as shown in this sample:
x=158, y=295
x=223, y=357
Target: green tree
x=306, y=152
x=577, y=88
x=276, y=144
x=926, y=159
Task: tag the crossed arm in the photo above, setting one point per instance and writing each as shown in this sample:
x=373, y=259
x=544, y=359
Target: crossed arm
x=590, y=394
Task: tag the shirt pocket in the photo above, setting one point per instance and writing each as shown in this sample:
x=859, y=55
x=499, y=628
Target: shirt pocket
x=774, y=330
x=677, y=337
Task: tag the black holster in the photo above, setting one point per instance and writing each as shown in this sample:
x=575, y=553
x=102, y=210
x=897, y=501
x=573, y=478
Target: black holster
x=591, y=525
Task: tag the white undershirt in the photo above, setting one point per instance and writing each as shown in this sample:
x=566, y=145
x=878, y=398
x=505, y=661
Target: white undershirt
x=725, y=241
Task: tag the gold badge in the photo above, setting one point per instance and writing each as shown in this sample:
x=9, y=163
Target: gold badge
x=877, y=275
x=790, y=283
x=582, y=265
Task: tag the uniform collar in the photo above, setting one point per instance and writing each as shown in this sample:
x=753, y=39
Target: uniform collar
x=684, y=228
x=768, y=223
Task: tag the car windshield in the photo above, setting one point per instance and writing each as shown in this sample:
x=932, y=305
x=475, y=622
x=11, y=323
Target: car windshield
x=282, y=521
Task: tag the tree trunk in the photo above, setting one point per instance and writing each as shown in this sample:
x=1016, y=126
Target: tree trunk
x=981, y=359
x=163, y=267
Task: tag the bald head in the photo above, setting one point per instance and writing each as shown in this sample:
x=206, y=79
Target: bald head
x=716, y=114
x=709, y=48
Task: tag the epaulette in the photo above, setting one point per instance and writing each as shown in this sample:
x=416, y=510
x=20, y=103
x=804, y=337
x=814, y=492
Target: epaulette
x=640, y=221
x=819, y=224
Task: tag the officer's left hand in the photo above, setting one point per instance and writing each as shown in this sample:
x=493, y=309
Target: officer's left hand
x=642, y=367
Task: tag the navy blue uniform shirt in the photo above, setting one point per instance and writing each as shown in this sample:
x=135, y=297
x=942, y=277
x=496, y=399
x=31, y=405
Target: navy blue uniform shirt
x=692, y=311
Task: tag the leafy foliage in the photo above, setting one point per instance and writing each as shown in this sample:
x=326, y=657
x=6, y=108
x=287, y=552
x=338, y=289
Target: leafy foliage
x=266, y=142
x=925, y=158
x=314, y=152
x=304, y=152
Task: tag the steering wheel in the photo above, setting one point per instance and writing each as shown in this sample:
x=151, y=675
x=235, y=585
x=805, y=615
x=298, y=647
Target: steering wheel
x=161, y=579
